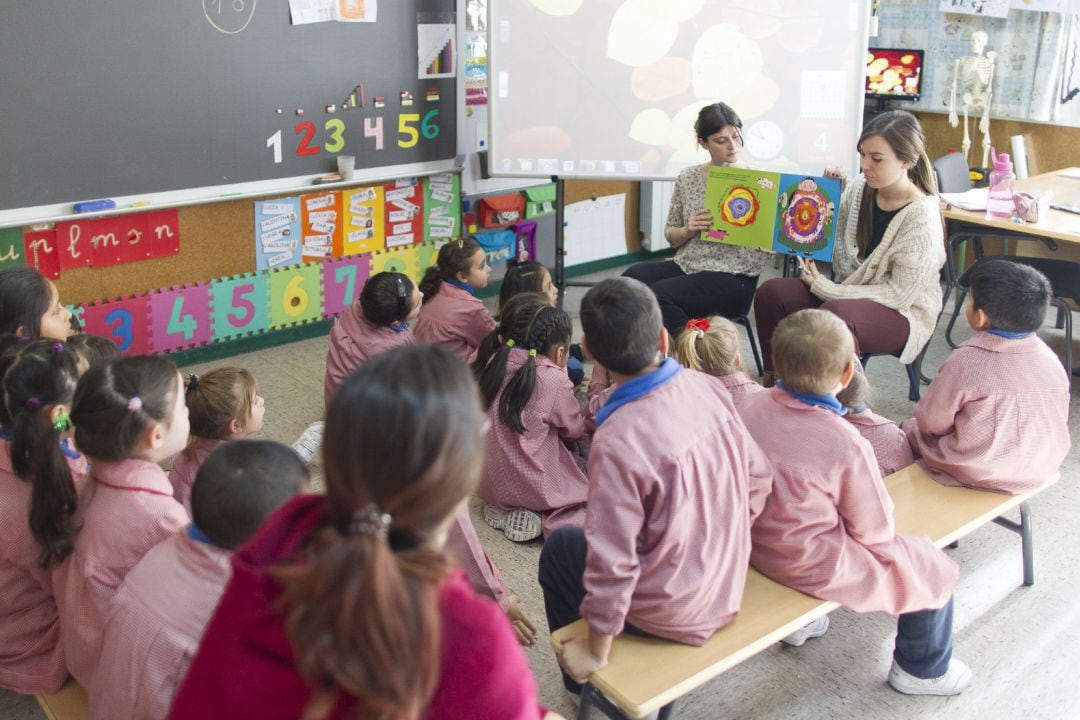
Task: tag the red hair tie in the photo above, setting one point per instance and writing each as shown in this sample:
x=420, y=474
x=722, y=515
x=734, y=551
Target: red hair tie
x=698, y=324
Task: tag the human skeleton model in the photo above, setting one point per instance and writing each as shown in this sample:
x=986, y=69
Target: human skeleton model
x=973, y=77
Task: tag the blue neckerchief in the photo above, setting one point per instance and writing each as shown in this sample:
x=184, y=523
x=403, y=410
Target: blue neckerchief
x=1009, y=335
x=464, y=286
x=631, y=390
x=198, y=535
x=5, y=433
x=398, y=326
x=829, y=402
x=68, y=451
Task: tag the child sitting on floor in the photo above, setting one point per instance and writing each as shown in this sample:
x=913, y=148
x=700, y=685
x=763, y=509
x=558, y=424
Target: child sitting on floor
x=890, y=445
x=532, y=480
x=158, y=615
x=451, y=315
x=711, y=345
x=376, y=322
x=670, y=464
x=827, y=528
x=996, y=416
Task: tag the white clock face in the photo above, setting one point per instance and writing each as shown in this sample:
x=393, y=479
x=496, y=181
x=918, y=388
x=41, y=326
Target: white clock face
x=764, y=140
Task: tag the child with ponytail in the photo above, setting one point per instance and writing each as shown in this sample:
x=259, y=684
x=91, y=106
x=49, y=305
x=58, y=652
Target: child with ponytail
x=128, y=416
x=451, y=315
x=223, y=404
x=40, y=477
x=711, y=345
x=532, y=480
x=344, y=605
x=30, y=305
x=376, y=322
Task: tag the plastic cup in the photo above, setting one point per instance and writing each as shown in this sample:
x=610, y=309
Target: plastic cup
x=346, y=165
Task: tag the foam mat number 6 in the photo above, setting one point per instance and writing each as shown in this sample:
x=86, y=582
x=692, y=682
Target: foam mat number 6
x=296, y=295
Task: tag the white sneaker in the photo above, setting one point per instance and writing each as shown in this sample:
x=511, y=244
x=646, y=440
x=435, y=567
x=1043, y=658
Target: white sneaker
x=309, y=442
x=494, y=516
x=814, y=630
x=522, y=525
x=953, y=682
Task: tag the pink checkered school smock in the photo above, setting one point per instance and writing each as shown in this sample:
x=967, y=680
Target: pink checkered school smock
x=464, y=548
x=996, y=416
x=130, y=509
x=741, y=387
x=890, y=444
x=186, y=466
x=537, y=469
x=354, y=340
x=827, y=528
x=455, y=319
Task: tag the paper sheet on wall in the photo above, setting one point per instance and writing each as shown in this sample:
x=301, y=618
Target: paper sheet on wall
x=305, y=12
x=435, y=50
x=986, y=8
x=356, y=10
x=595, y=229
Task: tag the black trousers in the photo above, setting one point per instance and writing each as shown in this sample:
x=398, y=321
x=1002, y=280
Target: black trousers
x=684, y=296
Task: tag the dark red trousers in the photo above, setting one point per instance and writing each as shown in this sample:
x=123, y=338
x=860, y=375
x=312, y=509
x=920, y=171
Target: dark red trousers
x=877, y=329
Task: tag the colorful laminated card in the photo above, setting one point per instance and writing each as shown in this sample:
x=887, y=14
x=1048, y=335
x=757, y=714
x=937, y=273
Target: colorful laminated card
x=342, y=282
x=163, y=227
x=320, y=225
x=404, y=213
x=73, y=237
x=364, y=216
x=240, y=305
x=134, y=233
x=442, y=206
x=11, y=247
x=42, y=252
x=277, y=233
x=790, y=214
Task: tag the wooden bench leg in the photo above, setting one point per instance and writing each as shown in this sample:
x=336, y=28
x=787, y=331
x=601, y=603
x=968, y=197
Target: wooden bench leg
x=1023, y=529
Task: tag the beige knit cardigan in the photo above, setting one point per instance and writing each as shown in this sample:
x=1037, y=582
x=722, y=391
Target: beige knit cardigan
x=903, y=272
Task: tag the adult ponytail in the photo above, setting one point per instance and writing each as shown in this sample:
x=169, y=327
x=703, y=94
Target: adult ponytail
x=453, y=258
x=42, y=376
x=403, y=448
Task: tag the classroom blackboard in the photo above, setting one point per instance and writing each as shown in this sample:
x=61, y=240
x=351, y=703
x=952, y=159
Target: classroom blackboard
x=123, y=97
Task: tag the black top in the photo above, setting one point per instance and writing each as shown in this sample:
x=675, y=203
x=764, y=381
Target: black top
x=880, y=219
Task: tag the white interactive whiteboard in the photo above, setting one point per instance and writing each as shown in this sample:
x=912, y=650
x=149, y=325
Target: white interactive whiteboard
x=611, y=88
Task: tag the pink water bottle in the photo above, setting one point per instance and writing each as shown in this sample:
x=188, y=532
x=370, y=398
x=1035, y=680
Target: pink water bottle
x=999, y=200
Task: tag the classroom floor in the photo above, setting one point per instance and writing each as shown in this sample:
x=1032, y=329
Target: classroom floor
x=1022, y=643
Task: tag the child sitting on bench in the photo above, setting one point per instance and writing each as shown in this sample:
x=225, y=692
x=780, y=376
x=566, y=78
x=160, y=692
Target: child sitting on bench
x=996, y=416
x=827, y=527
x=890, y=445
x=666, y=541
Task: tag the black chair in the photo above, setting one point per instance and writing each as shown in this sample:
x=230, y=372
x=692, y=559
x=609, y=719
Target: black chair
x=744, y=320
x=952, y=173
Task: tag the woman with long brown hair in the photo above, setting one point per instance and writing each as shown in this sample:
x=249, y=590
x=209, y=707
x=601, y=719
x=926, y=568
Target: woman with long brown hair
x=344, y=605
x=888, y=254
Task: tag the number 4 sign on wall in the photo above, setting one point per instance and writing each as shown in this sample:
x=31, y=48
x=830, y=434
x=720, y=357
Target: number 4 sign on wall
x=180, y=318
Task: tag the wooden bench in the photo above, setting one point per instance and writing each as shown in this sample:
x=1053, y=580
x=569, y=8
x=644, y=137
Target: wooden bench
x=644, y=675
x=68, y=704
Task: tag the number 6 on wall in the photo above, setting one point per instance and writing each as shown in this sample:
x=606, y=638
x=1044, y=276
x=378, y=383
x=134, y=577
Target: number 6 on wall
x=296, y=295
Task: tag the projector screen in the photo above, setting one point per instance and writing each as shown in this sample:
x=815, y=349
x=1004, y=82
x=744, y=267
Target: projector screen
x=611, y=88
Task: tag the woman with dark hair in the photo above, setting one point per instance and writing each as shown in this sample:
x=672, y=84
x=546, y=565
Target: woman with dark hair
x=705, y=278
x=888, y=254
x=344, y=605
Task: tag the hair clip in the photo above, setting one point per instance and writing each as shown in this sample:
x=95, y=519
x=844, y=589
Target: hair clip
x=134, y=404
x=62, y=422
x=532, y=352
x=460, y=242
x=701, y=324
x=33, y=402
x=57, y=347
x=369, y=521
x=510, y=343
x=192, y=381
